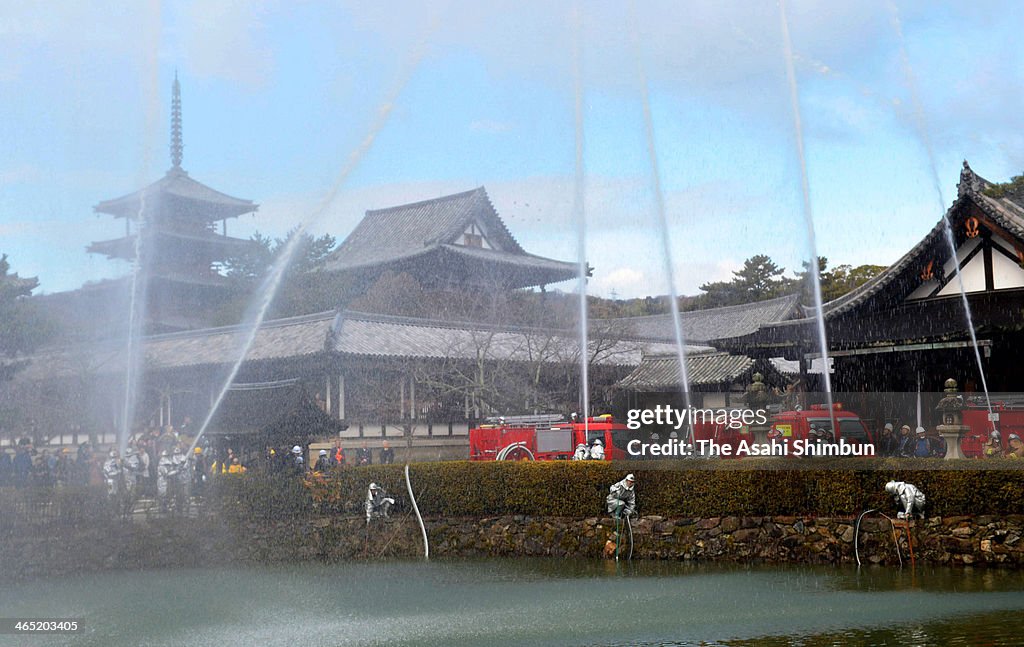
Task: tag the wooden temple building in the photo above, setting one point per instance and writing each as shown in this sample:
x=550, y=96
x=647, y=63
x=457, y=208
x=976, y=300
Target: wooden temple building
x=910, y=320
x=365, y=374
x=171, y=226
x=717, y=378
x=905, y=331
x=455, y=241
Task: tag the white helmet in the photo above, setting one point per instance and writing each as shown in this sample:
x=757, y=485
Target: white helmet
x=296, y=450
x=890, y=487
x=921, y=430
x=323, y=452
x=630, y=477
x=597, y=441
x=995, y=435
x=374, y=486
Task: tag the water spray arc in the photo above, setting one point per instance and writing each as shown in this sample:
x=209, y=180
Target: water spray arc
x=272, y=282
x=805, y=190
x=923, y=133
x=579, y=214
x=138, y=284
x=663, y=228
x=136, y=321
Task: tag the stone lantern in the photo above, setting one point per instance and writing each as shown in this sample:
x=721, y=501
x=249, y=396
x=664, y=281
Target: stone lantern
x=755, y=398
x=952, y=428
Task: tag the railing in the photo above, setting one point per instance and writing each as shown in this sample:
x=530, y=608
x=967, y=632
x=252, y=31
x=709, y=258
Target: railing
x=44, y=507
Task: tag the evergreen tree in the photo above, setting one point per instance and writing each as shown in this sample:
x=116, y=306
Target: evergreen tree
x=759, y=279
x=303, y=289
x=22, y=329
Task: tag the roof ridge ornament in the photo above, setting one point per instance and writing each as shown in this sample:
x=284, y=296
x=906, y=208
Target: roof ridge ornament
x=967, y=180
x=176, y=144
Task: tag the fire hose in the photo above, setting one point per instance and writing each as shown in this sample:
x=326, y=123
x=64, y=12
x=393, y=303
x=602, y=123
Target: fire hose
x=423, y=528
x=503, y=454
x=856, y=536
x=629, y=525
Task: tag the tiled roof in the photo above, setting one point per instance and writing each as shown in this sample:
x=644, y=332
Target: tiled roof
x=523, y=259
x=1004, y=211
x=124, y=247
x=431, y=226
x=283, y=338
x=388, y=336
x=407, y=230
x=345, y=333
x=207, y=203
x=701, y=326
x=661, y=372
x=891, y=286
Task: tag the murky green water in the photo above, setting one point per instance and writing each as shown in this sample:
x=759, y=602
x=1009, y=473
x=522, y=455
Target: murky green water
x=527, y=602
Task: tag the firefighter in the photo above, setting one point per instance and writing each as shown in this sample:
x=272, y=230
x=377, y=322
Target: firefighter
x=297, y=462
x=905, y=443
x=887, y=444
x=994, y=448
x=582, y=453
x=112, y=473
x=199, y=472
x=820, y=435
x=1016, y=449
x=132, y=469
x=165, y=476
x=597, y=451
x=323, y=462
x=621, y=500
x=377, y=505
x=182, y=483
x=907, y=497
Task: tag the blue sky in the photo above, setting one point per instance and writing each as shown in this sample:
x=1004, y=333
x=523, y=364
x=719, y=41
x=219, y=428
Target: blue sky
x=277, y=95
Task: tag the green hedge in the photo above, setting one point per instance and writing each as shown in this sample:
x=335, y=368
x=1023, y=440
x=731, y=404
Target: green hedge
x=578, y=489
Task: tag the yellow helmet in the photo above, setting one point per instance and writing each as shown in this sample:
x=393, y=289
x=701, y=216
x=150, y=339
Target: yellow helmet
x=198, y=450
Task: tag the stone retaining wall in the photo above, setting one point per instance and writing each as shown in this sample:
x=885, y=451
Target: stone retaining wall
x=207, y=541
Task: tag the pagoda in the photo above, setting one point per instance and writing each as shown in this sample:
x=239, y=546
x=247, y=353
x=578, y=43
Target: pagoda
x=180, y=247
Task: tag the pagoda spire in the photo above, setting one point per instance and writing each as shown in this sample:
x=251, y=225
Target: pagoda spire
x=176, y=144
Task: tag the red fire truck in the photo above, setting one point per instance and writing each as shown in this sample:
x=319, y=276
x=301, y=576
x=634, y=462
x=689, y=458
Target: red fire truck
x=546, y=437
x=790, y=426
x=1010, y=414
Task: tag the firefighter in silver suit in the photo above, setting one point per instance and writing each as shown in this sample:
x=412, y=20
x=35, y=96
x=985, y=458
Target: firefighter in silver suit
x=907, y=497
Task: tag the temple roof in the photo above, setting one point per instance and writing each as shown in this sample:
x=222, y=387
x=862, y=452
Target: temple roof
x=1004, y=211
x=342, y=333
x=190, y=198
x=889, y=288
x=429, y=231
x=124, y=247
x=660, y=372
x=390, y=336
x=701, y=326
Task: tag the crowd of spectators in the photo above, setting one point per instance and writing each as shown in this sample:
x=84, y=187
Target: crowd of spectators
x=25, y=465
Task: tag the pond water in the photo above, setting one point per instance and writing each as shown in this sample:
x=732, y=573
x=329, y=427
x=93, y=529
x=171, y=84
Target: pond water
x=526, y=602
